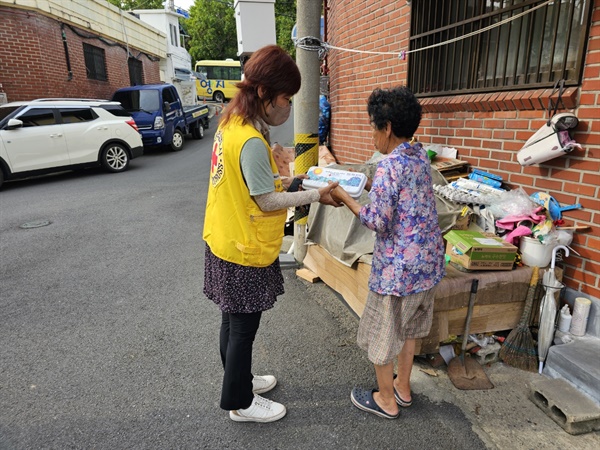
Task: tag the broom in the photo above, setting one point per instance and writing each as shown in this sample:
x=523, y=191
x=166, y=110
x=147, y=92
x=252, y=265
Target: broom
x=519, y=349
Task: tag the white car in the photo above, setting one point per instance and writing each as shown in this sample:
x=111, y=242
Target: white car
x=51, y=135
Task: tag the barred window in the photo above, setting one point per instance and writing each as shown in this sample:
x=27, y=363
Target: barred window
x=95, y=62
x=531, y=51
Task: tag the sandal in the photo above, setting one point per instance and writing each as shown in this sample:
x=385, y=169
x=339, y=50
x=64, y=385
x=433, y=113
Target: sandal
x=363, y=399
x=399, y=400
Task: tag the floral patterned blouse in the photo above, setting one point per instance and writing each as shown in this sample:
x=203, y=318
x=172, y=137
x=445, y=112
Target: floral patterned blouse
x=408, y=256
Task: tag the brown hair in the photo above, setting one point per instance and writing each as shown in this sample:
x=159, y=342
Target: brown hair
x=271, y=68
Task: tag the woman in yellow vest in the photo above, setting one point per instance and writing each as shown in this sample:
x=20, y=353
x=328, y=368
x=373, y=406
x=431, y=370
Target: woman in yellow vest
x=244, y=225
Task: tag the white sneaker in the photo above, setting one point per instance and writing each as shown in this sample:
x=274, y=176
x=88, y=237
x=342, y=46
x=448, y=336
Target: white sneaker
x=261, y=410
x=263, y=384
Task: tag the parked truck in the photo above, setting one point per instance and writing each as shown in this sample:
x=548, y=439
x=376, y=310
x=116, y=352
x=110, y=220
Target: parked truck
x=161, y=116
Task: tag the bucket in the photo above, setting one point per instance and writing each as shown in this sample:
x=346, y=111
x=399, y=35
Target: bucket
x=534, y=253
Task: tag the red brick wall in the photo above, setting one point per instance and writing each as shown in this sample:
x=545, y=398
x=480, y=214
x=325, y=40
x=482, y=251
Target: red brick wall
x=33, y=62
x=487, y=129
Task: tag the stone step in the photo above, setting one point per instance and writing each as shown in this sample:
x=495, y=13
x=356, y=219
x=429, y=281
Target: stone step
x=568, y=407
x=578, y=362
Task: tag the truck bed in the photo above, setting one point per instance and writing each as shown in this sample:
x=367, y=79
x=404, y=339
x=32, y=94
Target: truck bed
x=195, y=112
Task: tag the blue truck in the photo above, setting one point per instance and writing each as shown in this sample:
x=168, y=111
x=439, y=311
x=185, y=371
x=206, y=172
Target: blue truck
x=161, y=116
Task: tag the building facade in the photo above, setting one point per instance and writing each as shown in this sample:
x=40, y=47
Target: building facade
x=74, y=48
x=484, y=94
x=178, y=59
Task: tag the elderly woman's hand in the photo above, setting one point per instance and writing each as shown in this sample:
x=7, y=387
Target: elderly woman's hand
x=325, y=193
x=342, y=197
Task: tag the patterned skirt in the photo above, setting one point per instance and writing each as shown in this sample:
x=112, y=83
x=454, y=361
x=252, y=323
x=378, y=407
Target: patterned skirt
x=241, y=289
x=388, y=321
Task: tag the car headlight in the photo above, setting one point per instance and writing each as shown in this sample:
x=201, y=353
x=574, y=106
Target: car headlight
x=159, y=123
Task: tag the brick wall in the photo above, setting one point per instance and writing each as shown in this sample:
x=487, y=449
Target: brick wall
x=487, y=129
x=33, y=62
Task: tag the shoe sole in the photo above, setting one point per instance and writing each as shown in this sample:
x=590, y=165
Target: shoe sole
x=372, y=411
x=265, y=389
x=237, y=418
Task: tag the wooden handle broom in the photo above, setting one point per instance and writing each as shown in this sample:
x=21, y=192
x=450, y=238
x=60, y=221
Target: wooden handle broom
x=519, y=349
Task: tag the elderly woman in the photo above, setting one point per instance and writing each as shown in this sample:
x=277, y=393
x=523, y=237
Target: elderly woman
x=408, y=257
x=244, y=224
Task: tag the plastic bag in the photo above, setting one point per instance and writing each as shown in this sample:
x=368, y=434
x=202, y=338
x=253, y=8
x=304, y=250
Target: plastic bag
x=324, y=119
x=512, y=203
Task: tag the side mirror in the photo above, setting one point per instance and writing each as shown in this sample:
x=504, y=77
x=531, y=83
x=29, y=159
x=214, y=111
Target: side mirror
x=14, y=124
x=166, y=106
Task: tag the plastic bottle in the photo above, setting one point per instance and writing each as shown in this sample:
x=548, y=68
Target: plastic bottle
x=564, y=322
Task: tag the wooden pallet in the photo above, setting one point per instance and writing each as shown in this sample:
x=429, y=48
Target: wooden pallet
x=498, y=305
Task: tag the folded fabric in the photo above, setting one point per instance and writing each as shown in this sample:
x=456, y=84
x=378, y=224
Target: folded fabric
x=510, y=222
x=517, y=232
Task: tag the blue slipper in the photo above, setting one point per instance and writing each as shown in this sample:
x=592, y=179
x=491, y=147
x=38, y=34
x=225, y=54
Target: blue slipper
x=363, y=399
x=399, y=400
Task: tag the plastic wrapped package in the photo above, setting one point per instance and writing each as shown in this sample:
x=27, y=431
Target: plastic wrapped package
x=512, y=203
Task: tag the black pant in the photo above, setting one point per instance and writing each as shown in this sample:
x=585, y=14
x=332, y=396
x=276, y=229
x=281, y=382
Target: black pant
x=236, y=339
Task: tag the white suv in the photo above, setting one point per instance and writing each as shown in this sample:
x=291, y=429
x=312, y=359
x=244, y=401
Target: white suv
x=50, y=135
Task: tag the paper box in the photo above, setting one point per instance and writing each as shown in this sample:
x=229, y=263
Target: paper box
x=476, y=251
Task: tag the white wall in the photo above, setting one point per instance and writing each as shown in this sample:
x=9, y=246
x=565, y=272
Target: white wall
x=177, y=56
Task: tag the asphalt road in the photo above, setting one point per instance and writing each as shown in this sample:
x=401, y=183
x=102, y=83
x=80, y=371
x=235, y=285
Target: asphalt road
x=107, y=342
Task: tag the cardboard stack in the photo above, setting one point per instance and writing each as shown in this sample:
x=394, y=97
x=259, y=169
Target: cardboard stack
x=478, y=251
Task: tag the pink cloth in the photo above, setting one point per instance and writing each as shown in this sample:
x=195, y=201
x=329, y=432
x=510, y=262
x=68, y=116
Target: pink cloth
x=510, y=222
x=517, y=232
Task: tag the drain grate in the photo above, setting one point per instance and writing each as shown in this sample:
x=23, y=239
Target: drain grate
x=35, y=224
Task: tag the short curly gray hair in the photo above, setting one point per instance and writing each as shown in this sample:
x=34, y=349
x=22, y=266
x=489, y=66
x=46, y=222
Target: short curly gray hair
x=399, y=107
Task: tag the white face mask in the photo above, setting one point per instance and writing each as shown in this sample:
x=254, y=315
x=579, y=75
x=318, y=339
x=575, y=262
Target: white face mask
x=278, y=114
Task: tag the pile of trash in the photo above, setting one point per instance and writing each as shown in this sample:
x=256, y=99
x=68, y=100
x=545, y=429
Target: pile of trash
x=532, y=222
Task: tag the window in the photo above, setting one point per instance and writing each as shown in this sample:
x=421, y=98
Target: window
x=532, y=51
x=170, y=95
x=235, y=73
x=36, y=117
x=95, y=62
x=221, y=72
x=75, y=115
x=144, y=100
x=183, y=74
x=174, y=40
x=116, y=110
x=6, y=111
x=135, y=72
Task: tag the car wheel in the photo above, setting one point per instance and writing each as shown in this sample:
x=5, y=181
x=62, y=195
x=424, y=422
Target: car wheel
x=115, y=158
x=198, y=131
x=1, y=178
x=177, y=142
x=218, y=97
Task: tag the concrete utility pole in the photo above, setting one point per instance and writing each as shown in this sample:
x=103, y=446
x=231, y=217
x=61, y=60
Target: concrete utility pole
x=306, y=110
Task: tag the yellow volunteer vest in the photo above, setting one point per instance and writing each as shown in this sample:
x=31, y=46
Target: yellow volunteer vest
x=235, y=228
